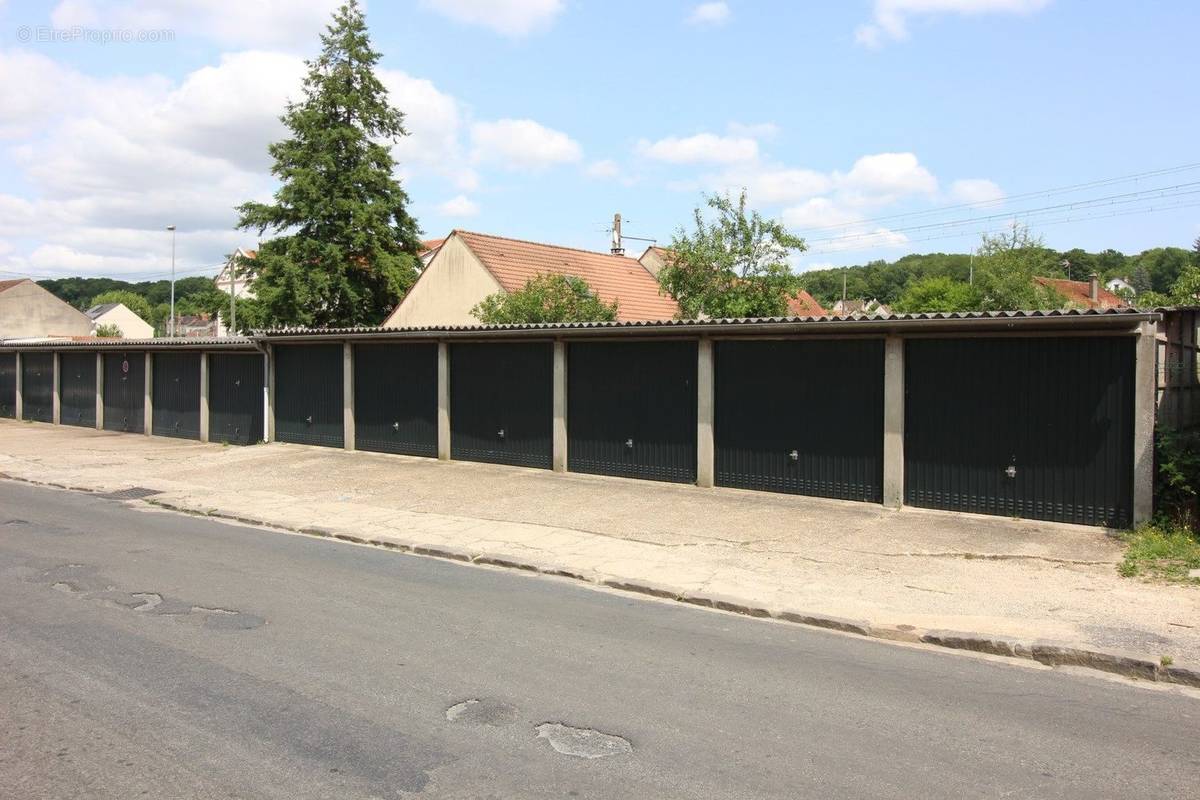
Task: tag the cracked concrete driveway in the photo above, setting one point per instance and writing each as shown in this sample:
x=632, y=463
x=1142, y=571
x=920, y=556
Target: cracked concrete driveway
x=935, y=570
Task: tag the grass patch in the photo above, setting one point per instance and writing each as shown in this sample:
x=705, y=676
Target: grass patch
x=1161, y=551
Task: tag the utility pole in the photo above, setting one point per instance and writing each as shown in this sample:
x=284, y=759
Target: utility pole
x=232, y=304
x=171, y=228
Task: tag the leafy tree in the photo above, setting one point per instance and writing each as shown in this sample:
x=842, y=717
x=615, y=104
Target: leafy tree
x=733, y=266
x=1141, y=280
x=109, y=330
x=938, y=293
x=348, y=249
x=1005, y=267
x=545, y=298
x=134, y=302
x=1163, y=265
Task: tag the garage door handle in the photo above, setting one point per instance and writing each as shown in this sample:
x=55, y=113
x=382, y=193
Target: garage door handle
x=1010, y=471
x=396, y=426
x=308, y=419
x=794, y=455
x=629, y=443
x=500, y=433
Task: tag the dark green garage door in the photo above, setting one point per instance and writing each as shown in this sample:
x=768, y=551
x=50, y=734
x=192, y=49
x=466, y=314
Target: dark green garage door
x=395, y=398
x=8, y=385
x=1022, y=427
x=308, y=394
x=804, y=417
x=77, y=383
x=632, y=409
x=124, y=392
x=176, y=398
x=235, y=398
x=37, y=386
x=501, y=399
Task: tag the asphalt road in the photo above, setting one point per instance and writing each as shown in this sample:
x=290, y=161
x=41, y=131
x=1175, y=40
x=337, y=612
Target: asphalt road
x=157, y=655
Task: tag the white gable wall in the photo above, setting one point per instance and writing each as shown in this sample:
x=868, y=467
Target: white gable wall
x=449, y=287
x=132, y=326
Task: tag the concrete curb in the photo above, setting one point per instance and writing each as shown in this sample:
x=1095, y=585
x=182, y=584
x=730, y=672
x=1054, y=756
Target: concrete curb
x=1049, y=653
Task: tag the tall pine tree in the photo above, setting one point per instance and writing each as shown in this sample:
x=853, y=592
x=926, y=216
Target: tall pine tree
x=347, y=248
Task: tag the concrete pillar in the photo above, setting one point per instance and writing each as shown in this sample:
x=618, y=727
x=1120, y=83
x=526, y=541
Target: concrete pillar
x=269, y=392
x=559, y=435
x=893, y=422
x=99, y=391
x=705, y=464
x=204, y=397
x=443, y=390
x=1144, y=391
x=347, y=396
x=148, y=409
x=56, y=394
x=19, y=408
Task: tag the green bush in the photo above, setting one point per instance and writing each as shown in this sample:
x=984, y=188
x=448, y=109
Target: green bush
x=1177, y=480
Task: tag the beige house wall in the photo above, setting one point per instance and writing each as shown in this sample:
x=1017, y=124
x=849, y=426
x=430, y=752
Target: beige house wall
x=453, y=283
x=652, y=261
x=132, y=326
x=28, y=310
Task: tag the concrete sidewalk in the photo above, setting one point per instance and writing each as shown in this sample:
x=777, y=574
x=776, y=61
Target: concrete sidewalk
x=895, y=574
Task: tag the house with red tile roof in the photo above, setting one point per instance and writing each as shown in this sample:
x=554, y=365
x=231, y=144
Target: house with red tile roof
x=29, y=311
x=466, y=267
x=1084, y=294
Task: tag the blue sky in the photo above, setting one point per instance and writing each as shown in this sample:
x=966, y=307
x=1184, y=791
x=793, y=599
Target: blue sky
x=865, y=126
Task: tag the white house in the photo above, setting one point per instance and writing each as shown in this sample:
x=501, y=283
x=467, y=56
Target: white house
x=235, y=278
x=128, y=323
x=1116, y=285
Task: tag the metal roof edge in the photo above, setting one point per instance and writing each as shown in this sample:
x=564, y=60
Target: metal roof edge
x=194, y=343
x=825, y=324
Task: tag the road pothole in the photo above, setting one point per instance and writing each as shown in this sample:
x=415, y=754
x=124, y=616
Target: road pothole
x=582, y=742
x=148, y=600
x=482, y=712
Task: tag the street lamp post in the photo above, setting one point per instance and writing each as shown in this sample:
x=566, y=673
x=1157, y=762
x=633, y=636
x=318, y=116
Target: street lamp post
x=171, y=329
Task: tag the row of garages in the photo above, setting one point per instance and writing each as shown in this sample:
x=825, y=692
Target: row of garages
x=109, y=390
x=1038, y=427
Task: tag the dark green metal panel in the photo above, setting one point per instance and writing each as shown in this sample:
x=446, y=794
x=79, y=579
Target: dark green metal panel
x=308, y=394
x=804, y=417
x=125, y=392
x=501, y=398
x=235, y=398
x=37, y=386
x=77, y=387
x=632, y=409
x=8, y=385
x=395, y=398
x=176, y=397
x=1057, y=411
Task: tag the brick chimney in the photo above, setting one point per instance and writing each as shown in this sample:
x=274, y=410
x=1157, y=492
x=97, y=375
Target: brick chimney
x=1094, y=287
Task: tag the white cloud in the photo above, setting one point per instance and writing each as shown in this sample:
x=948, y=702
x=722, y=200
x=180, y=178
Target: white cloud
x=975, y=190
x=716, y=13
x=819, y=212
x=884, y=176
x=700, y=149
x=106, y=163
x=770, y=185
x=508, y=17
x=459, y=206
x=890, y=19
x=434, y=121
x=522, y=144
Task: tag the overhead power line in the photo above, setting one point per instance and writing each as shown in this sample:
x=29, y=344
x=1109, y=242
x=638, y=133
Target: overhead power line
x=984, y=204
